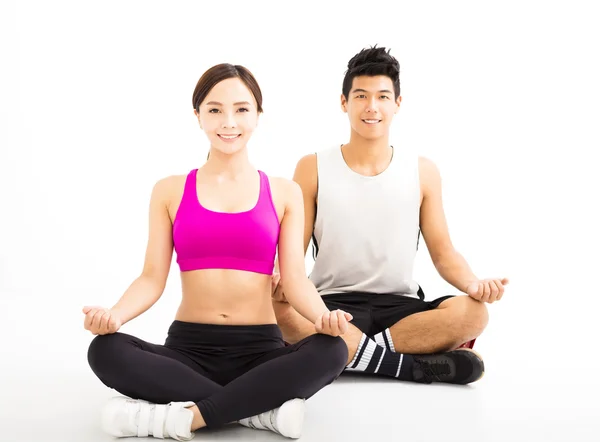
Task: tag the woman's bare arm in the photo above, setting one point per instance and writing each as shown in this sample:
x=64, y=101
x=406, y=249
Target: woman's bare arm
x=300, y=291
x=147, y=288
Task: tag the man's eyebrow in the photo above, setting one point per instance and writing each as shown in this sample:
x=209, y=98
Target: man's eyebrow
x=384, y=91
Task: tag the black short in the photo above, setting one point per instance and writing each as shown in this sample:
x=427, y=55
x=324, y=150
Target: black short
x=374, y=313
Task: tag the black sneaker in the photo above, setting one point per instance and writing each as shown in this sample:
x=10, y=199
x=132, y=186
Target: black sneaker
x=461, y=366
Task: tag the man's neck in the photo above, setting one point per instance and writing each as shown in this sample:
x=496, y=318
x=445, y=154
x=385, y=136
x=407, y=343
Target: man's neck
x=363, y=152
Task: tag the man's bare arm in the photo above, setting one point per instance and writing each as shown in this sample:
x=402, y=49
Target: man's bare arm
x=449, y=263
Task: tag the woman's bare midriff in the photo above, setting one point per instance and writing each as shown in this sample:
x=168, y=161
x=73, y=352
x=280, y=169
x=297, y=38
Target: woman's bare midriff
x=226, y=297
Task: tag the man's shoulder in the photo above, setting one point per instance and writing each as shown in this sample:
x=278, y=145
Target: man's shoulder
x=307, y=161
x=428, y=168
x=313, y=157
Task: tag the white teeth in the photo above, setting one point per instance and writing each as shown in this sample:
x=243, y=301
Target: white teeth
x=371, y=121
x=229, y=137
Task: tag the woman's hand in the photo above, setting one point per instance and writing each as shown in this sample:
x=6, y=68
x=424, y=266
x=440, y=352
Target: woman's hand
x=101, y=321
x=333, y=323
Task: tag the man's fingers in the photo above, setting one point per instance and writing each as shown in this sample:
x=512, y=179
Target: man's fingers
x=494, y=290
x=275, y=280
x=487, y=290
x=500, y=289
x=473, y=289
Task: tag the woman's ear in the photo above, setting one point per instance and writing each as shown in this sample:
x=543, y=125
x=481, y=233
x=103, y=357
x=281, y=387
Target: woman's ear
x=198, y=118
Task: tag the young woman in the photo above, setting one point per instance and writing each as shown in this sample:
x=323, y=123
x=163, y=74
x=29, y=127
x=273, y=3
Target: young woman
x=224, y=359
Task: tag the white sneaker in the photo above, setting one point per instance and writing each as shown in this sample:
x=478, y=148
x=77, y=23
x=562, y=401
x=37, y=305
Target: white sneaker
x=125, y=417
x=286, y=420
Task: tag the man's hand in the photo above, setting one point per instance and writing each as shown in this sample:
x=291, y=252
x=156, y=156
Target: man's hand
x=487, y=290
x=333, y=323
x=276, y=289
x=100, y=321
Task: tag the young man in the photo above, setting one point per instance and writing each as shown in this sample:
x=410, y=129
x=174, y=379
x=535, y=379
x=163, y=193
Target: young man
x=366, y=204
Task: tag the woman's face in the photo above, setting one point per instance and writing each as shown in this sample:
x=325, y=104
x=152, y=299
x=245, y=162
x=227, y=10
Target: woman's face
x=228, y=115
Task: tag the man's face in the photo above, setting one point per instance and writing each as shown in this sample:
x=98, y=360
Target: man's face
x=371, y=106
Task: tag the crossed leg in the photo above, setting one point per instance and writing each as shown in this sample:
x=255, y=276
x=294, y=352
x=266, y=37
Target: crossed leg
x=454, y=321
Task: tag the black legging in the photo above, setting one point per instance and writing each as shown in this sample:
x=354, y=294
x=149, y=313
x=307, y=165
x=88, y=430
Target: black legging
x=231, y=372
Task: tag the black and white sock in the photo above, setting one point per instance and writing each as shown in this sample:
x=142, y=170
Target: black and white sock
x=375, y=359
x=385, y=339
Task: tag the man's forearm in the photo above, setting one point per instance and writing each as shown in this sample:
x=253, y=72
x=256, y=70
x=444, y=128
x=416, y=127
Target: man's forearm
x=302, y=295
x=454, y=269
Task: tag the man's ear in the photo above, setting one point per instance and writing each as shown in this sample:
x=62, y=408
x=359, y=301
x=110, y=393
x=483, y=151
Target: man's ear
x=398, y=100
x=343, y=103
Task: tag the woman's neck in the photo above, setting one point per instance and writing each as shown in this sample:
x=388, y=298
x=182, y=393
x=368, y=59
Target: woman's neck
x=228, y=166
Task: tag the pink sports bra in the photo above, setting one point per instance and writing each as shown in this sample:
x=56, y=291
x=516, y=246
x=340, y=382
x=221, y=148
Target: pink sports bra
x=204, y=239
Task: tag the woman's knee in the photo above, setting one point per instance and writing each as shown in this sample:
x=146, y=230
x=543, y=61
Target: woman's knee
x=103, y=349
x=332, y=350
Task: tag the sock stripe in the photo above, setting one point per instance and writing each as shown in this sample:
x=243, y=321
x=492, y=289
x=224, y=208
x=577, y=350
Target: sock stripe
x=367, y=355
x=374, y=360
x=399, y=364
x=389, y=342
x=380, y=361
x=362, y=345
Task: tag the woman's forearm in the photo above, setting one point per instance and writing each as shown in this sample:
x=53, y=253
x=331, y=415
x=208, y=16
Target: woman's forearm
x=302, y=295
x=139, y=297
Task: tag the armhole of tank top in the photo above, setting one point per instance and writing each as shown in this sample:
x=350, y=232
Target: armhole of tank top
x=265, y=187
x=315, y=245
x=188, y=192
x=317, y=192
x=416, y=165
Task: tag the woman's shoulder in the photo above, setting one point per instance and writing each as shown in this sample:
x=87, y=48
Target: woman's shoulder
x=169, y=187
x=282, y=184
x=285, y=189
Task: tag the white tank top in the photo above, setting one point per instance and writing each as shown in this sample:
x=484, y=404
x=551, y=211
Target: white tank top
x=366, y=230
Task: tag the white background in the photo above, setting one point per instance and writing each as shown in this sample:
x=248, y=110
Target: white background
x=502, y=96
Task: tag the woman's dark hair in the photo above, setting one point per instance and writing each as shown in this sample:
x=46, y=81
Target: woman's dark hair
x=221, y=72
x=371, y=62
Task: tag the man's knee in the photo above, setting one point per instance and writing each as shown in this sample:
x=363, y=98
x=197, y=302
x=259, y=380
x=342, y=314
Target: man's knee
x=352, y=340
x=286, y=316
x=471, y=315
x=293, y=325
x=474, y=316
